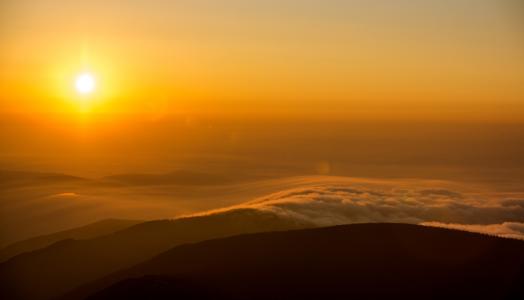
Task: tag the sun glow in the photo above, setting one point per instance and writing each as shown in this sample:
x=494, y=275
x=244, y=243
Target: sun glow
x=85, y=83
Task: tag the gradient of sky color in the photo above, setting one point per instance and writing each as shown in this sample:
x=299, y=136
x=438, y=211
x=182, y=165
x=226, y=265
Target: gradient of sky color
x=441, y=58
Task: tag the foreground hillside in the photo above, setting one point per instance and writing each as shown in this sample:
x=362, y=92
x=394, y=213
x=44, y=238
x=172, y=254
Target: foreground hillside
x=344, y=262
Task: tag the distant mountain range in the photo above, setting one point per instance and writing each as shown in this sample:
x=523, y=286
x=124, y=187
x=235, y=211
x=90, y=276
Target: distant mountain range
x=9, y=178
x=179, y=177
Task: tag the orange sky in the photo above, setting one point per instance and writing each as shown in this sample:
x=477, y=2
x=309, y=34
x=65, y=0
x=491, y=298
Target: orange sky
x=439, y=59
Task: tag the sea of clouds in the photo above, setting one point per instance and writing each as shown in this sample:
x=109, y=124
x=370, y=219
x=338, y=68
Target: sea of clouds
x=327, y=205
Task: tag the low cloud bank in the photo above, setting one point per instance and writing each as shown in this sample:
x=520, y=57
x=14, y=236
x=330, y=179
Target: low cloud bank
x=327, y=205
x=512, y=230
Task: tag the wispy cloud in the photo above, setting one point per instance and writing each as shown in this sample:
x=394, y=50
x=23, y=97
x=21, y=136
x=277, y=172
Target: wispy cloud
x=507, y=229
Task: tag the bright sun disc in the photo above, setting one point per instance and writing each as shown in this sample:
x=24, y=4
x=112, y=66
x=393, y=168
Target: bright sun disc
x=85, y=83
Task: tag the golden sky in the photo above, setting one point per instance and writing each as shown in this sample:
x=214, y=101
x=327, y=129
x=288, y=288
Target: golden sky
x=388, y=59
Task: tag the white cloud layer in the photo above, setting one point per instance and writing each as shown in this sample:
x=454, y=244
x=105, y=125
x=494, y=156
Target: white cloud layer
x=326, y=205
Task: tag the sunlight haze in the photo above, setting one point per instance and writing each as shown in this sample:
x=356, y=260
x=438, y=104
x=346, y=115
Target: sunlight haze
x=371, y=59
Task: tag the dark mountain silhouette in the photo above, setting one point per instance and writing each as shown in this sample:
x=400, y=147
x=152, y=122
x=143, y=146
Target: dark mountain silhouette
x=366, y=261
x=54, y=270
x=90, y=231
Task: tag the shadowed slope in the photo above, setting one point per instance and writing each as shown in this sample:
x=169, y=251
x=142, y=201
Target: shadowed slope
x=344, y=262
x=85, y=232
x=54, y=270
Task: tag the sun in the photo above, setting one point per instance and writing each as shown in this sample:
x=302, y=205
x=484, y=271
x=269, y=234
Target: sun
x=85, y=83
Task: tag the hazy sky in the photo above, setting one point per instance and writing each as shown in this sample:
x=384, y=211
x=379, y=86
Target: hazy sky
x=388, y=59
x=179, y=84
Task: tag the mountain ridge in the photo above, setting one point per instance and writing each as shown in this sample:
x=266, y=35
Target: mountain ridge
x=338, y=262
x=88, y=231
